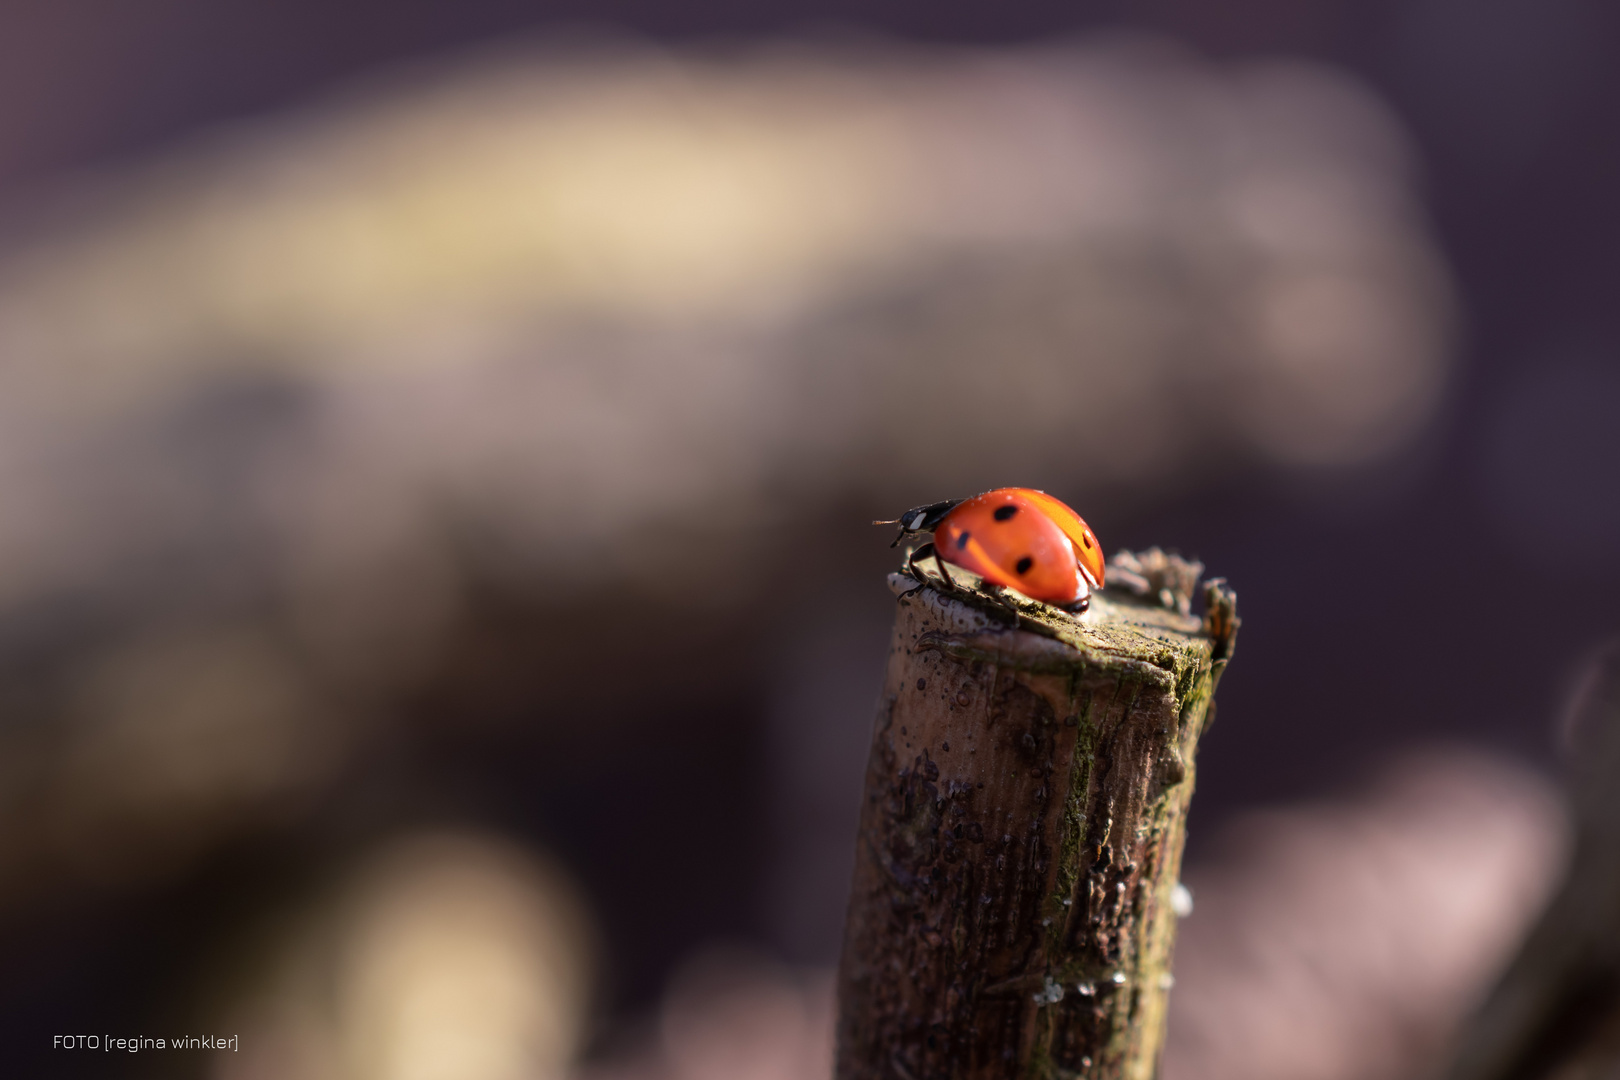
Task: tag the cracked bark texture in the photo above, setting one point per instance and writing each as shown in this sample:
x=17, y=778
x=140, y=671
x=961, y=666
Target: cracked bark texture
x=1021, y=836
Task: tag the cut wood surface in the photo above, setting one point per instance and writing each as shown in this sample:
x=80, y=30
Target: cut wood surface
x=1012, y=910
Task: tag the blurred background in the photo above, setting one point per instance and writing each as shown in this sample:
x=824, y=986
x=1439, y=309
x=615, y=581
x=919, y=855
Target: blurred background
x=439, y=619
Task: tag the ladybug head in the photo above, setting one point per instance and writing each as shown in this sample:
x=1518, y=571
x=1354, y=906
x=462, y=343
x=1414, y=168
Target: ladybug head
x=920, y=519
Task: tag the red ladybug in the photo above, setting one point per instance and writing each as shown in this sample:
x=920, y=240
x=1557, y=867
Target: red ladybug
x=1017, y=538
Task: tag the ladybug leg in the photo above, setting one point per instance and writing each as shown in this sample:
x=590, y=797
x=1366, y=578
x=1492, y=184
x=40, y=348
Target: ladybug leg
x=913, y=571
x=912, y=592
x=911, y=560
x=928, y=551
x=939, y=564
x=1079, y=606
x=998, y=593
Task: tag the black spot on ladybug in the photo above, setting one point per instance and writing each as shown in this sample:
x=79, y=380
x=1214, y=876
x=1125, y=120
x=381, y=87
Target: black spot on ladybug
x=1024, y=564
x=1085, y=538
x=961, y=541
x=1005, y=513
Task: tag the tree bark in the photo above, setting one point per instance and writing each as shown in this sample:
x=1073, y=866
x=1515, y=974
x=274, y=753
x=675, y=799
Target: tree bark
x=1020, y=842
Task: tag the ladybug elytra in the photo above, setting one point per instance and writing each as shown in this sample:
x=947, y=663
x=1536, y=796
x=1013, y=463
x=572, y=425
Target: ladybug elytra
x=1015, y=538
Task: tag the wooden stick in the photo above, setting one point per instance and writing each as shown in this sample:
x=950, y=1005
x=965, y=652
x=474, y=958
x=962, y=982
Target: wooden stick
x=1020, y=840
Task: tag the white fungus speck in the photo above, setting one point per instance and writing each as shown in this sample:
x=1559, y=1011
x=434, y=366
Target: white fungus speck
x=1051, y=994
x=1181, y=901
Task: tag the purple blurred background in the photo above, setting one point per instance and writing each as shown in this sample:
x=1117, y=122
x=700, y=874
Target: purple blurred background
x=1436, y=592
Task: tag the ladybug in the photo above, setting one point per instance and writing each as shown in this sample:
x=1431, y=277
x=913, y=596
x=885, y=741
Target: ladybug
x=1015, y=538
